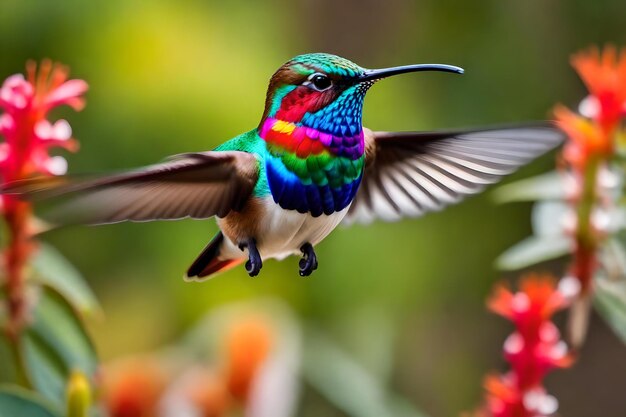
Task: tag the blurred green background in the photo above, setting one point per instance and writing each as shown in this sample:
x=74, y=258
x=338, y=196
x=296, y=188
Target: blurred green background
x=406, y=300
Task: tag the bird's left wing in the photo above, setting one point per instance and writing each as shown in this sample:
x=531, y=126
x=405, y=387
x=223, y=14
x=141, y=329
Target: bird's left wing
x=408, y=174
x=197, y=185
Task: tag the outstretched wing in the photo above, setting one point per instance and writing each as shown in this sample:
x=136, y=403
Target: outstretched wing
x=408, y=174
x=197, y=185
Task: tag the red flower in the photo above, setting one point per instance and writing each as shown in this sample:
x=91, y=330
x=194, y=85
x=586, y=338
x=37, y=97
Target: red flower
x=532, y=350
x=604, y=74
x=198, y=391
x=28, y=134
x=536, y=301
x=504, y=399
x=248, y=344
x=132, y=387
x=28, y=138
x=586, y=139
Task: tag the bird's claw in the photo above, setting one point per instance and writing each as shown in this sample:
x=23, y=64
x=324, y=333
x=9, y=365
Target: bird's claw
x=308, y=263
x=254, y=263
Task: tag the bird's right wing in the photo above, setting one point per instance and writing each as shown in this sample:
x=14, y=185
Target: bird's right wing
x=196, y=185
x=408, y=174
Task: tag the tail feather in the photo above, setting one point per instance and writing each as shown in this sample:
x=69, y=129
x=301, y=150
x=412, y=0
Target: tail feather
x=208, y=262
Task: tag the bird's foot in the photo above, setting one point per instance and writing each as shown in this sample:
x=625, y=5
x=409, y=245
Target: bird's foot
x=308, y=263
x=254, y=263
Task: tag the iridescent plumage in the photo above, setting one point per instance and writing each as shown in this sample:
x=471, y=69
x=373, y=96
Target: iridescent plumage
x=315, y=145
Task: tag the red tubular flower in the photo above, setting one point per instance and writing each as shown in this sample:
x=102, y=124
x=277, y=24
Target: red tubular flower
x=532, y=350
x=132, y=387
x=586, y=139
x=604, y=74
x=28, y=134
x=248, y=345
x=28, y=138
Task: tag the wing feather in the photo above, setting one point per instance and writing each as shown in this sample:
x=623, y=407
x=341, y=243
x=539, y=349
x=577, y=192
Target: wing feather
x=196, y=185
x=408, y=174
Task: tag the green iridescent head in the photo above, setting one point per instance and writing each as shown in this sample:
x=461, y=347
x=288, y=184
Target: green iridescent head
x=326, y=92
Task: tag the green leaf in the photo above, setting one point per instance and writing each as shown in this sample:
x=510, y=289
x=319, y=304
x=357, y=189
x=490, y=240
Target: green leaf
x=610, y=301
x=54, y=270
x=533, y=250
x=54, y=345
x=348, y=385
x=8, y=369
x=548, y=186
x=16, y=402
x=546, y=218
x=45, y=368
x=613, y=257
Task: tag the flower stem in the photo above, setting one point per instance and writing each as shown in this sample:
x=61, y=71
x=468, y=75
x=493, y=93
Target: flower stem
x=16, y=256
x=584, y=261
x=586, y=237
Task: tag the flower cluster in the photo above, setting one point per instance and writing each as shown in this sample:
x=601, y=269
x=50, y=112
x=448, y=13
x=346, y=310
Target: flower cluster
x=586, y=156
x=592, y=134
x=151, y=385
x=532, y=350
x=587, y=195
x=28, y=136
x=591, y=144
x=27, y=131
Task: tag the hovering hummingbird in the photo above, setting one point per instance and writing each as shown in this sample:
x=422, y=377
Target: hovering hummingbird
x=310, y=165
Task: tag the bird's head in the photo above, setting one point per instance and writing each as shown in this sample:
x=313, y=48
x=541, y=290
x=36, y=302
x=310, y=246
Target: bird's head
x=325, y=92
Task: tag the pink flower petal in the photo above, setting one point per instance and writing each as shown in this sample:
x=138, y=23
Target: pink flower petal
x=15, y=92
x=68, y=93
x=57, y=165
x=538, y=400
x=559, y=350
x=589, y=107
x=43, y=129
x=4, y=151
x=569, y=286
x=62, y=130
x=548, y=332
x=59, y=132
x=7, y=124
x=514, y=344
x=520, y=303
x=17, y=83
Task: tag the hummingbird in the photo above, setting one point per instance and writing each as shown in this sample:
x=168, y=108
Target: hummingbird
x=309, y=166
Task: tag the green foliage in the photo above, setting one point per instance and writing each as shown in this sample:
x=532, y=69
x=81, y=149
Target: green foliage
x=8, y=371
x=549, y=240
x=347, y=384
x=533, y=250
x=549, y=186
x=610, y=286
x=53, y=270
x=54, y=341
x=16, y=402
x=610, y=301
x=55, y=344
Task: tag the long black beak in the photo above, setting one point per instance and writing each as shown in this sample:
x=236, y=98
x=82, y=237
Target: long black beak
x=377, y=74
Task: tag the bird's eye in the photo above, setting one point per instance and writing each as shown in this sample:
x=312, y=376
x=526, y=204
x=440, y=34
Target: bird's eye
x=319, y=82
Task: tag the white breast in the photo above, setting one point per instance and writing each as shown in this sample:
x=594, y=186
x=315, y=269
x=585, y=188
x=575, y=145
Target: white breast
x=282, y=232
